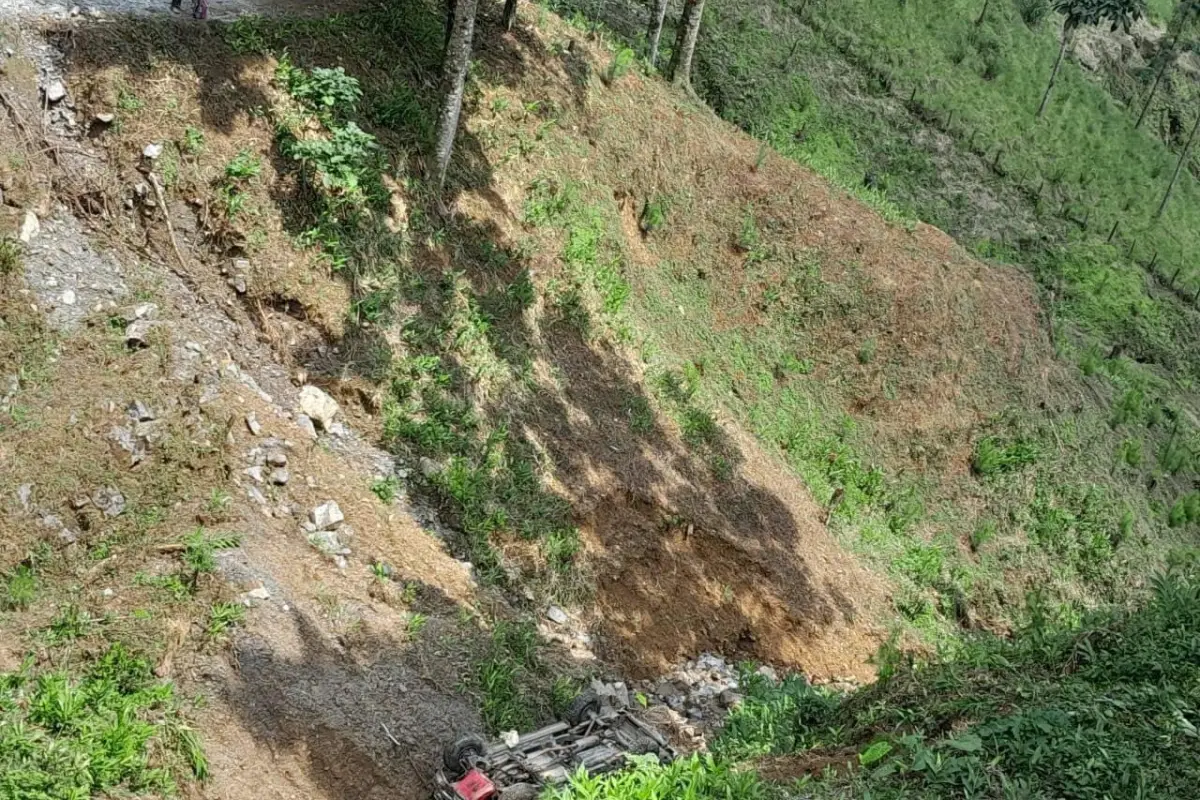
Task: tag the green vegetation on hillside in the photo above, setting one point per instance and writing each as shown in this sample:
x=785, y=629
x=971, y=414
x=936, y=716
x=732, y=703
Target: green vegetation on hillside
x=1109, y=708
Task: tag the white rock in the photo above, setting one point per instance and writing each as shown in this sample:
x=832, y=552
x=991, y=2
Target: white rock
x=306, y=425
x=152, y=151
x=326, y=516
x=510, y=738
x=105, y=118
x=30, y=228
x=67, y=298
x=318, y=406
x=55, y=91
x=136, y=334
x=252, y=424
x=254, y=494
x=280, y=477
x=255, y=473
x=261, y=593
x=556, y=615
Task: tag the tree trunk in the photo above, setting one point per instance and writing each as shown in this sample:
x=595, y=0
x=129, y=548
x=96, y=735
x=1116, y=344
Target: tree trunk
x=658, y=11
x=1168, y=59
x=1178, y=167
x=983, y=13
x=454, y=78
x=450, y=6
x=1062, y=51
x=510, y=14
x=685, y=43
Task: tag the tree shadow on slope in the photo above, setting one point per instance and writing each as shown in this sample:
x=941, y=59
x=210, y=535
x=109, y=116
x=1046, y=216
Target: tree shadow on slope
x=328, y=705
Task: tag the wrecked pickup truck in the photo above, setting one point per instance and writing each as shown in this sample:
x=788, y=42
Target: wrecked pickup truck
x=591, y=737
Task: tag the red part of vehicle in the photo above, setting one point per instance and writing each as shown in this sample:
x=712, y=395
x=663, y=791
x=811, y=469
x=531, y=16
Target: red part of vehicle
x=475, y=786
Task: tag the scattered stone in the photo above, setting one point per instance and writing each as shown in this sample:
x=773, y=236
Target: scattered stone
x=55, y=91
x=255, y=473
x=253, y=425
x=557, y=615
x=510, y=738
x=140, y=411
x=327, y=516
x=67, y=298
x=152, y=151
x=107, y=593
x=144, y=311
x=318, y=406
x=306, y=425
x=137, y=334
x=105, y=118
x=254, y=494
x=768, y=673
x=238, y=282
x=277, y=458
x=109, y=500
x=30, y=228
x=280, y=477
x=429, y=468
x=261, y=593
x=730, y=699
x=195, y=347
x=24, y=493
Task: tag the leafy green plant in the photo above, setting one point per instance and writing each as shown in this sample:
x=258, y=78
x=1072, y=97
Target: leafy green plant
x=243, y=167
x=10, y=256
x=109, y=730
x=326, y=91
x=415, y=624
x=344, y=165
x=20, y=588
x=623, y=59
x=222, y=617
x=193, y=141
x=386, y=489
x=995, y=456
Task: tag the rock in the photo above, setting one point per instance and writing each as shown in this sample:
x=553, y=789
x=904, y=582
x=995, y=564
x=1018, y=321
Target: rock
x=137, y=334
x=144, y=311
x=730, y=699
x=557, y=615
x=280, y=477
x=238, y=282
x=318, y=406
x=306, y=425
x=429, y=468
x=109, y=500
x=140, y=411
x=255, y=473
x=67, y=298
x=277, y=458
x=510, y=739
x=152, y=151
x=768, y=673
x=105, y=118
x=254, y=494
x=326, y=516
x=261, y=593
x=55, y=91
x=24, y=493
x=30, y=228
x=253, y=425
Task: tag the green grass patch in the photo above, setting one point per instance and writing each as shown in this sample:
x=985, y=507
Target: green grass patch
x=106, y=729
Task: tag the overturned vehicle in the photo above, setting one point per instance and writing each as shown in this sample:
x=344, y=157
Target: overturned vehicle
x=591, y=737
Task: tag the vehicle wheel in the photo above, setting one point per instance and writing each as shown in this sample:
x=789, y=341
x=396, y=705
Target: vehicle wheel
x=458, y=756
x=583, y=708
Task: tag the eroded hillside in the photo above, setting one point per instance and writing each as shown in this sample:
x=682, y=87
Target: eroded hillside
x=640, y=388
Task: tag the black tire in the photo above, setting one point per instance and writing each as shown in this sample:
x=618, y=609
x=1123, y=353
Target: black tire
x=458, y=756
x=583, y=708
